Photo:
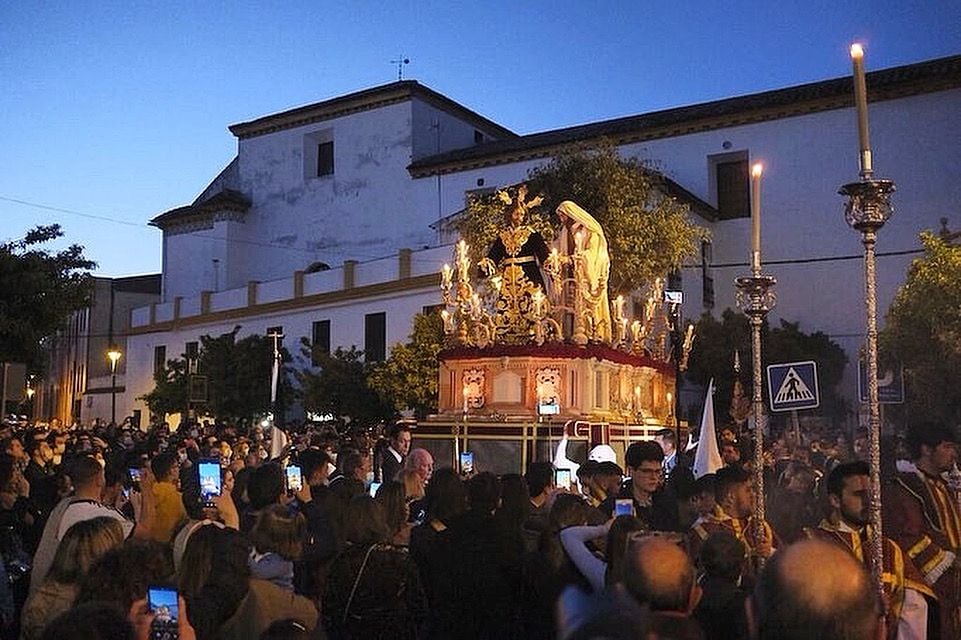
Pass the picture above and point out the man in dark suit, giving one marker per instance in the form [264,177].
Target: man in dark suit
[394,456]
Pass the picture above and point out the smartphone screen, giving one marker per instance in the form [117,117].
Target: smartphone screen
[295,481]
[374,486]
[163,604]
[467,462]
[134,473]
[209,471]
[562,478]
[623,507]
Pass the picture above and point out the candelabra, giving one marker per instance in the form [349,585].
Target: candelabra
[867,209]
[756,297]
[481,316]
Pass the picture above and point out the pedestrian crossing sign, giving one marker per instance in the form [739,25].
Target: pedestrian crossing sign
[793,386]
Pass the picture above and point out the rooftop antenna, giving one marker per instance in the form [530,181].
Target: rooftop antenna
[400,62]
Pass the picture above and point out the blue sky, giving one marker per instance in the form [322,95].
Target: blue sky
[119,110]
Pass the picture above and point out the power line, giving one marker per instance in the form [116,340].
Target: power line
[37,205]
[880,254]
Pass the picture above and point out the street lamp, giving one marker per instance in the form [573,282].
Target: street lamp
[30,391]
[113,355]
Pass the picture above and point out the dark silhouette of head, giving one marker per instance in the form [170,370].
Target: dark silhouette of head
[814,589]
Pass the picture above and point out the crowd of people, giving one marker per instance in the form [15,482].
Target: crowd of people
[111,532]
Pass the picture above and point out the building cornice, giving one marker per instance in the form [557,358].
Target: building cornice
[887,84]
[368,99]
[227,204]
[404,285]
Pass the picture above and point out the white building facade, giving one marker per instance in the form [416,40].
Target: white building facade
[329,212]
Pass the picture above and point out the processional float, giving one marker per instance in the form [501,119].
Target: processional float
[537,349]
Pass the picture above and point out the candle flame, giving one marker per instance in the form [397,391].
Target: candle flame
[857,51]
[757,169]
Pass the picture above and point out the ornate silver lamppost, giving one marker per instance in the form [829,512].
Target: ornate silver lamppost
[867,209]
[755,297]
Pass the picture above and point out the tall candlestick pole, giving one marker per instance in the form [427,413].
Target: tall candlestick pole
[861,102]
[867,209]
[756,172]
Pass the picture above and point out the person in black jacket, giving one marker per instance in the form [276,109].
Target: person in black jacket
[395,454]
[652,505]
[721,609]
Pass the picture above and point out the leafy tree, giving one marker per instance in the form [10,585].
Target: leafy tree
[923,331]
[716,342]
[169,394]
[339,387]
[39,291]
[238,379]
[408,379]
[238,375]
[649,233]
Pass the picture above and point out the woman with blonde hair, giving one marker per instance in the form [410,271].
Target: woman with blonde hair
[82,545]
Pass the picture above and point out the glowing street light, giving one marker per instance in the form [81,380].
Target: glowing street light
[113,355]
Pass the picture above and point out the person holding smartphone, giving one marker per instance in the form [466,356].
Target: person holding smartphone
[170,505]
[644,462]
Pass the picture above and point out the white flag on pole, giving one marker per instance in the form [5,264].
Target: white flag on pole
[278,441]
[708,458]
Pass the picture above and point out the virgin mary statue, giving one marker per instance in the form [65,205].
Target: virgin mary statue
[584,234]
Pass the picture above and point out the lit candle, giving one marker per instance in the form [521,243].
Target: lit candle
[448,323]
[463,262]
[445,276]
[636,330]
[756,171]
[861,102]
[554,261]
[476,305]
[465,398]
[618,307]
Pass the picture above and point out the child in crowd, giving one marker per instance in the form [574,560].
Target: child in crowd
[277,538]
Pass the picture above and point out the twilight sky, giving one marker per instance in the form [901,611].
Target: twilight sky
[113,112]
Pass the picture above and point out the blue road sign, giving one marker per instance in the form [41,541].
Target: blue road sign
[890,384]
[793,386]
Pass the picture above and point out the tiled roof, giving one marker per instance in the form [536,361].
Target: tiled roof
[896,82]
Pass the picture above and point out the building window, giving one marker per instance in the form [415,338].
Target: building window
[675,282]
[707,277]
[478,137]
[325,159]
[159,358]
[320,339]
[276,331]
[432,309]
[192,354]
[375,337]
[318,151]
[732,184]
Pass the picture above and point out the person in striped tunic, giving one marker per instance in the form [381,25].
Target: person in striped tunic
[848,524]
[921,514]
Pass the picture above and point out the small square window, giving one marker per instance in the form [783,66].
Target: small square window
[278,333]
